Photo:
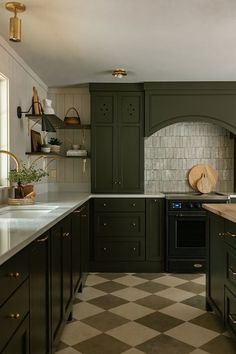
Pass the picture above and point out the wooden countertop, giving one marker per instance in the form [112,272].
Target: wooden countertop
[226,211]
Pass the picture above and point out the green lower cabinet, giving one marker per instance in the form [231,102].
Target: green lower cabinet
[216,264]
[39,295]
[127,235]
[19,343]
[155,230]
[230,310]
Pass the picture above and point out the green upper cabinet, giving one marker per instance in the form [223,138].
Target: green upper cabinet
[117,138]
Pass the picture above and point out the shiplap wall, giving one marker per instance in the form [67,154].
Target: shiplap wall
[21,81]
[69,171]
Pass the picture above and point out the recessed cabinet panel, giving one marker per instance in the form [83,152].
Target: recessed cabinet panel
[115,250]
[230,310]
[19,343]
[120,224]
[13,312]
[130,108]
[131,168]
[119,204]
[104,177]
[231,265]
[103,105]
[154,229]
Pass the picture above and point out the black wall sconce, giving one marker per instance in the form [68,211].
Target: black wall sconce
[50,122]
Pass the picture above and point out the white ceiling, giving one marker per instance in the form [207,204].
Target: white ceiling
[78,41]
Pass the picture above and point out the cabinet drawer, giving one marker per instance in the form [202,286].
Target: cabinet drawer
[231,265]
[230,233]
[13,312]
[119,204]
[230,310]
[120,224]
[13,273]
[115,250]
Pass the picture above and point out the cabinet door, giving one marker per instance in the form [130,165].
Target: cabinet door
[85,242]
[39,319]
[76,248]
[154,229]
[130,108]
[19,343]
[66,262]
[131,161]
[56,282]
[103,107]
[216,263]
[104,160]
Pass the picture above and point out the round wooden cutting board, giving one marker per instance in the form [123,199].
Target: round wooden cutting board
[202,172]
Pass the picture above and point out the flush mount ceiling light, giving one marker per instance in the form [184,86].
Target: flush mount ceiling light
[119,73]
[15,22]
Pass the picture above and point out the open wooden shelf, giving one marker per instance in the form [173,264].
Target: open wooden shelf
[55,154]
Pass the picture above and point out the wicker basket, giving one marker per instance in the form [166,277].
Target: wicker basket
[25,201]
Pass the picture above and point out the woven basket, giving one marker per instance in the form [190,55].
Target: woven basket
[25,201]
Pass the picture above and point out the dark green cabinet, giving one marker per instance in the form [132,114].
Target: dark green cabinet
[155,230]
[117,140]
[127,234]
[221,270]
[19,343]
[39,295]
[216,263]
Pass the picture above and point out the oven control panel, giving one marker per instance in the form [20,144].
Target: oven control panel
[189,205]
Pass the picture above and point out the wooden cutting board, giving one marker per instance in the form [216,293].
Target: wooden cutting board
[207,172]
[204,184]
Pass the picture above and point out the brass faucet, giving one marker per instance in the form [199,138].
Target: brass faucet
[14,158]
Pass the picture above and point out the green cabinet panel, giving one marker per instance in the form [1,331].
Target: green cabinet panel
[117,140]
[66,263]
[119,204]
[120,224]
[171,102]
[39,295]
[131,159]
[19,343]
[216,263]
[104,166]
[155,223]
[103,107]
[130,108]
[114,250]
[230,310]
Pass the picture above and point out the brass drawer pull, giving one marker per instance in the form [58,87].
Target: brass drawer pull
[221,234]
[104,204]
[231,270]
[133,224]
[42,239]
[84,216]
[14,316]
[66,234]
[231,317]
[105,224]
[79,210]
[134,249]
[198,265]
[104,249]
[14,275]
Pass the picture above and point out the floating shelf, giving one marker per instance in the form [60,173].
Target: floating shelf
[61,125]
[55,154]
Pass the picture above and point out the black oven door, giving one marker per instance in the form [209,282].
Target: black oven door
[186,234]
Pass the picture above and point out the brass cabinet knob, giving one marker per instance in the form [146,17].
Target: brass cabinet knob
[105,224]
[14,275]
[134,205]
[84,216]
[104,249]
[14,316]
[104,204]
[66,234]
[133,224]
[42,239]
[134,249]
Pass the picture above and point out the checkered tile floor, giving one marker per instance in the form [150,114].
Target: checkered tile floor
[148,313]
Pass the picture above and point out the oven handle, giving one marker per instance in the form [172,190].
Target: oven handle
[188,214]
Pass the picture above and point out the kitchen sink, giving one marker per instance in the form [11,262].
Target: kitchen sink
[25,212]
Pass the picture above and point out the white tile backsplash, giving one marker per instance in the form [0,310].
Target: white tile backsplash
[172,151]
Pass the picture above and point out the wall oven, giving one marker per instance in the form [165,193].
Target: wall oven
[186,232]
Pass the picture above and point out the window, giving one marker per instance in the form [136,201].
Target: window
[4,129]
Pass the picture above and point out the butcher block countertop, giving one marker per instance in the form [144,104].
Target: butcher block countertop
[226,211]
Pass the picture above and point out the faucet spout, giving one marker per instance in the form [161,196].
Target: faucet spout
[13,157]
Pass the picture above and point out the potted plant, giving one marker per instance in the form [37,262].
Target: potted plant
[55,144]
[24,177]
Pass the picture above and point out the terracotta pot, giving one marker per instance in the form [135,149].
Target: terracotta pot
[28,188]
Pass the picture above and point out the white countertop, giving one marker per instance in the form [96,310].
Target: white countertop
[18,232]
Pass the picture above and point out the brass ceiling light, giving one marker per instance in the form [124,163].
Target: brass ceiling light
[119,73]
[15,22]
